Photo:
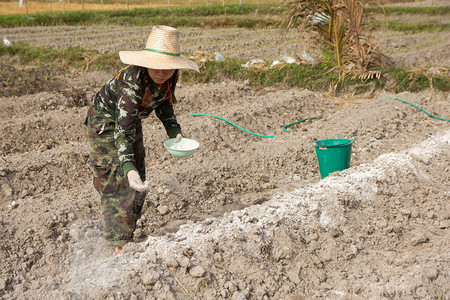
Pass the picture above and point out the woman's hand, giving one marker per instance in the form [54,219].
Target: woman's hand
[136,183]
[178,138]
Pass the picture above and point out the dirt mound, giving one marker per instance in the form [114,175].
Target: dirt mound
[311,242]
[243,235]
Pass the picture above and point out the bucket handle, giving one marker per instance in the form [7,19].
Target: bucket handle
[332,146]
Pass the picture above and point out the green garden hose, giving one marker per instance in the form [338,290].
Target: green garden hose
[404,101]
[311,118]
[260,135]
[302,120]
[257,134]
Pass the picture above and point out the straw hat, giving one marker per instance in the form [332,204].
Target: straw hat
[162,52]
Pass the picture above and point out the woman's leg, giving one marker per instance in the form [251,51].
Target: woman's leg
[117,198]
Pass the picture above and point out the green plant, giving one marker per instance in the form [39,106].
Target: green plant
[313,77]
[337,24]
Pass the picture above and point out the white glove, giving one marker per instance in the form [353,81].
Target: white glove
[178,138]
[136,183]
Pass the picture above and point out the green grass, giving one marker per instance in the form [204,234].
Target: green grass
[312,77]
[405,80]
[72,57]
[411,27]
[213,16]
[398,11]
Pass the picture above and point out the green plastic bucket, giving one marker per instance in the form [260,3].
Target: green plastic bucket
[333,155]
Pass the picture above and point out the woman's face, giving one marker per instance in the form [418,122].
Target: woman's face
[160,76]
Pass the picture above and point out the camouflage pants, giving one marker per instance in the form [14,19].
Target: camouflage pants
[121,205]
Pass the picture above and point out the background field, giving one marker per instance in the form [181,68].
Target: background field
[245,217]
[12,7]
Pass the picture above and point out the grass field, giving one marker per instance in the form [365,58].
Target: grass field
[12,7]
[91,50]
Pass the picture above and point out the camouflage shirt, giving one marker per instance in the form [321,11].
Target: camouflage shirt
[131,96]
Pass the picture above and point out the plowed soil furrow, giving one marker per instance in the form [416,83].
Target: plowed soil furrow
[267,44]
[43,131]
[33,173]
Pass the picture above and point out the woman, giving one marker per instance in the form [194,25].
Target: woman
[114,125]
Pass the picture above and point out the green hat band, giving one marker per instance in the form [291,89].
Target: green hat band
[162,52]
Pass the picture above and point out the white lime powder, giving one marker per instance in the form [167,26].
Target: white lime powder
[185,145]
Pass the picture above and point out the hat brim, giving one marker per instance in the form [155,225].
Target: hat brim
[156,60]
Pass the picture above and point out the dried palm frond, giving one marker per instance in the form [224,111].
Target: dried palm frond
[337,24]
[368,75]
[355,13]
[371,57]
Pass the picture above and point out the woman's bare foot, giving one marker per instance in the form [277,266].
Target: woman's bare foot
[117,250]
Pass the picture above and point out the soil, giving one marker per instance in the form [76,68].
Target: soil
[245,217]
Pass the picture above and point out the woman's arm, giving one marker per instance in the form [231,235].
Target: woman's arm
[129,97]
